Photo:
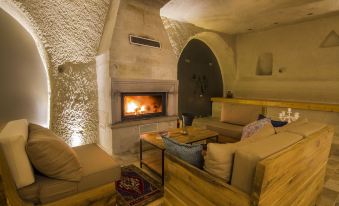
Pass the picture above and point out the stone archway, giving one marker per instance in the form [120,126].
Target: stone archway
[26,58]
[199,78]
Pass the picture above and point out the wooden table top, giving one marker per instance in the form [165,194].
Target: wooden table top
[194,134]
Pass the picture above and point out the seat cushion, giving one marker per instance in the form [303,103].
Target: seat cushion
[219,157]
[239,114]
[51,156]
[98,167]
[46,190]
[13,139]
[247,157]
[226,129]
[307,128]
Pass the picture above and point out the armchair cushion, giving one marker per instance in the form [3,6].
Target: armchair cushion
[13,139]
[51,156]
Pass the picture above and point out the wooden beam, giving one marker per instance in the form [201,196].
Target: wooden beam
[276,103]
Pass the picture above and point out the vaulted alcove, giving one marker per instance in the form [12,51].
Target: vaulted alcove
[199,78]
[23,78]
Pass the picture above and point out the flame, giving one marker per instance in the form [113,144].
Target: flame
[142,108]
[131,107]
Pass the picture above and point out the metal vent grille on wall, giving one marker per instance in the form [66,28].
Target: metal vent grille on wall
[142,41]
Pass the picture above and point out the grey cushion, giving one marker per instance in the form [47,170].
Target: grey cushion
[187,152]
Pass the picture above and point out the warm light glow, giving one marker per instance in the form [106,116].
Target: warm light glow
[132,107]
[142,105]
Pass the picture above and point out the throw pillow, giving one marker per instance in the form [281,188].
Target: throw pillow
[52,156]
[219,159]
[254,127]
[187,152]
[13,139]
[275,123]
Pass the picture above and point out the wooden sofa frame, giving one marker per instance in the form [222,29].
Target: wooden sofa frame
[293,176]
[85,198]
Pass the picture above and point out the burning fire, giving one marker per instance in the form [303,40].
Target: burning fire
[136,105]
[132,107]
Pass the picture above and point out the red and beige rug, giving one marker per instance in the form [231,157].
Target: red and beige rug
[136,188]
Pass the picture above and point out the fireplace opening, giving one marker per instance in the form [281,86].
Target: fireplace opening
[142,105]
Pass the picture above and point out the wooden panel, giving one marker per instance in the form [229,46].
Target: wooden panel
[281,178]
[276,103]
[187,185]
[100,196]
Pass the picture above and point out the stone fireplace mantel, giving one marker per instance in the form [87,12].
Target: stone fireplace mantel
[143,85]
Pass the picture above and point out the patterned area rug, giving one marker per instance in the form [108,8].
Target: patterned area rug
[136,188]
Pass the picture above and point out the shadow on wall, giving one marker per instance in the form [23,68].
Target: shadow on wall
[199,79]
[23,79]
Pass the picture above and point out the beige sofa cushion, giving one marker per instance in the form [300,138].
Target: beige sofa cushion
[51,156]
[291,125]
[307,128]
[247,157]
[99,168]
[239,114]
[219,157]
[226,129]
[13,139]
[46,190]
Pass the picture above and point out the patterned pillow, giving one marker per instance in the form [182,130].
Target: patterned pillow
[253,127]
[187,152]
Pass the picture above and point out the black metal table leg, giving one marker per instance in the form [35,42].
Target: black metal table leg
[163,166]
[140,153]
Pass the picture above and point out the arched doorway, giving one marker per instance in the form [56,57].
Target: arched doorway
[23,79]
[199,78]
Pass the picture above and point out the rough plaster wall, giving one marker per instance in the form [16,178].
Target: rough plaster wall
[309,72]
[76,103]
[179,33]
[70,32]
[140,62]
[222,45]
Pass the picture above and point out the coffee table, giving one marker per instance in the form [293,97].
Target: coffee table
[195,134]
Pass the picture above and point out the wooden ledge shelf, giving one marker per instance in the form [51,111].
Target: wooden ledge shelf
[276,103]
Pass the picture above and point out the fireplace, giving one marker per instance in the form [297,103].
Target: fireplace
[143,105]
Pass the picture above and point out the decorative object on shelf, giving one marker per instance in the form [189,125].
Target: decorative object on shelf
[229,94]
[289,116]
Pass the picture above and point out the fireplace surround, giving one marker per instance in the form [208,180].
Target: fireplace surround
[125,132]
[168,89]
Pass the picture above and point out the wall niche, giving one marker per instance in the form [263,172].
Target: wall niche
[331,40]
[265,64]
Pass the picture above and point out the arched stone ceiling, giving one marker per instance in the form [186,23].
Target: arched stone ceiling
[70,32]
[240,16]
